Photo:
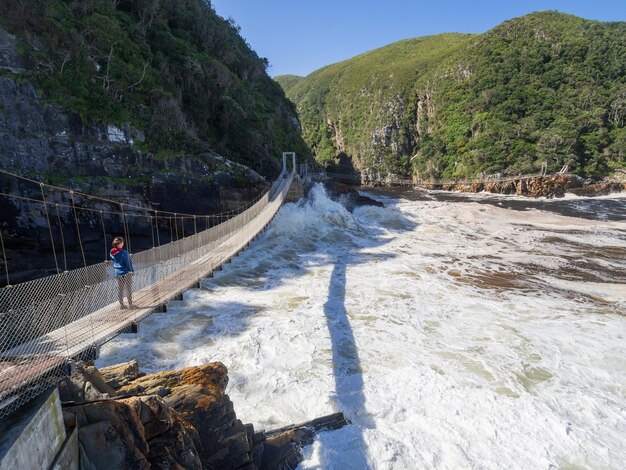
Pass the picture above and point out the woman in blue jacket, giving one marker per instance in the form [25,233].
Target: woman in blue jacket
[123,266]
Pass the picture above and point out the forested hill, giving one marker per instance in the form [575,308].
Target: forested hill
[546,87]
[173,69]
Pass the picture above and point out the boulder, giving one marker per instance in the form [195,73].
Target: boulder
[197,395]
[110,435]
[85,384]
[176,448]
[178,419]
[282,448]
[137,432]
[118,375]
[155,416]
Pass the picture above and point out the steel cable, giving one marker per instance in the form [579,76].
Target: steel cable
[54,251]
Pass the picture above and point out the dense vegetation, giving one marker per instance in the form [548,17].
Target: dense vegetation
[545,88]
[172,68]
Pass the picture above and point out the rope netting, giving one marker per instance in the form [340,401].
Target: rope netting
[47,322]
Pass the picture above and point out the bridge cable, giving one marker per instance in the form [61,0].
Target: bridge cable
[156,223]
[69,206]
[80,240]
[4,255]
[152,231]
[45,206]
[130,246]
[91,196]
[223,216]
[125,228]
[79,193]
[104,236]
[62,237]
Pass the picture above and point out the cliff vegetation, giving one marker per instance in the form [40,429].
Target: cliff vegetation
[174,70]
[544,89]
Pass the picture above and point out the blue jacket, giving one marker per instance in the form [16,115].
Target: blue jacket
[121,262]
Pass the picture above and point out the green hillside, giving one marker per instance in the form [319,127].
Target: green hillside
[288,81]
[544,88]
[173,69]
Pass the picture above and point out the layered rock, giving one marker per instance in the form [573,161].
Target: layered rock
[197,394]
[540,186]
[174,419]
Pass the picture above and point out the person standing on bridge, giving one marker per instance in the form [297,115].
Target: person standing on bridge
[123,266]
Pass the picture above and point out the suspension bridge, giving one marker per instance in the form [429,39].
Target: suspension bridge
[47,323]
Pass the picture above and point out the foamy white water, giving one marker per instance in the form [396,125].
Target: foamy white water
[451,334]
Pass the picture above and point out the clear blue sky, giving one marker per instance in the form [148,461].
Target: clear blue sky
[300,36]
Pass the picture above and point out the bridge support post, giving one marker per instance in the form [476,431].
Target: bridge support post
[293,162]
[178,296]
[133,328]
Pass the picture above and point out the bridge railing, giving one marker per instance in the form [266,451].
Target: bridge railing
[47,321]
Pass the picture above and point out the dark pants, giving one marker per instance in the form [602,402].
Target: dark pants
[125,285]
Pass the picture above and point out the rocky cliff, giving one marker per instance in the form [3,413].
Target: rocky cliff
[146,146]
[539,186]
[175,419]
[50,144]
[546,90]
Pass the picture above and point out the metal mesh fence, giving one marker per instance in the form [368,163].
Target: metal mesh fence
[47,322]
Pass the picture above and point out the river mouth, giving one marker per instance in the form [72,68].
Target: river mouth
[452,333]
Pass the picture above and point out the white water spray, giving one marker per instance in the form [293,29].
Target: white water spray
[452,334]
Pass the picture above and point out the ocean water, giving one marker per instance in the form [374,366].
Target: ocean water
[453,331]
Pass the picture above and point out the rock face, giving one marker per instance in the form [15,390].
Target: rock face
[441,105]
[182,419]
[174,420]
[43,140]
[197,395]
[47,142]
[110,435]
[85,384]
[540,186]
[118,375]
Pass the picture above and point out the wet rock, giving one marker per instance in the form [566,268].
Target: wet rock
[349,197]
[283,447]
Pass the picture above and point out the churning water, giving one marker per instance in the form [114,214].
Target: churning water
[453,331]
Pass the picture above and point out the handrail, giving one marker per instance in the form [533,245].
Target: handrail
[46,322]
